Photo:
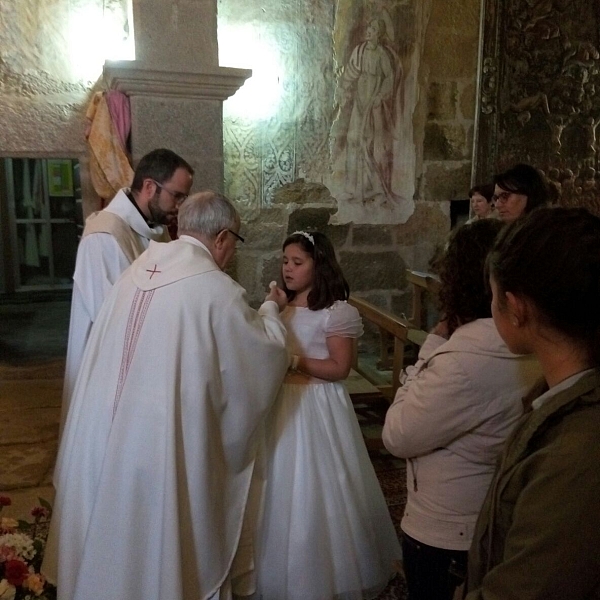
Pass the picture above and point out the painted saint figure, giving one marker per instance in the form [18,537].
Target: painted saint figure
[369,85]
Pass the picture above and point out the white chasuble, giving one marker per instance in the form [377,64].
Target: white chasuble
[112,239]
[157,454]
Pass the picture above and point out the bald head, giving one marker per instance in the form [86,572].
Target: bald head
[213,220]
[205,214]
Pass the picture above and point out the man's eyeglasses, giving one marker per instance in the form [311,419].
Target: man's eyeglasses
[501,197]
[237,235]
[179,197]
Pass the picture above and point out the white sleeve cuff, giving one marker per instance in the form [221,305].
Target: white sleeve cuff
[269,309]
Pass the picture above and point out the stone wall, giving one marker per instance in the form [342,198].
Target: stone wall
[374,257]
[450,69]
[43,97]
[276,166]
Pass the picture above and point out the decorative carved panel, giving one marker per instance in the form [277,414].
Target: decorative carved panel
[539,94]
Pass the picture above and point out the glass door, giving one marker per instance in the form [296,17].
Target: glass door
[46,220]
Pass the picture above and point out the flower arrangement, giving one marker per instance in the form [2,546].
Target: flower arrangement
[21,552]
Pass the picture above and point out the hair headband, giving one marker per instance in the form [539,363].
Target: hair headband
[307,235]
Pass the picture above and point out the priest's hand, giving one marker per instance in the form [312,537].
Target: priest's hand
[277,295]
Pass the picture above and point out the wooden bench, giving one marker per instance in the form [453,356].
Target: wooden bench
[362,390]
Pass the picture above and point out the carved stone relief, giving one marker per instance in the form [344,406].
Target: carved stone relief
[540,94]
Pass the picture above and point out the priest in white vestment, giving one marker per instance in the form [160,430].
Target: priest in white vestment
[155,463]
[114,237]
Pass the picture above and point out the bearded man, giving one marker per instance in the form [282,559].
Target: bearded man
[114,237]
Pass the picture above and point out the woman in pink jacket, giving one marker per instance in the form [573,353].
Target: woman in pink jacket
[451,416]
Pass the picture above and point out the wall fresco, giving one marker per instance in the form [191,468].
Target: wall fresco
[373,158]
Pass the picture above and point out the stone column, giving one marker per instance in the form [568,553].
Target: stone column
[176,86]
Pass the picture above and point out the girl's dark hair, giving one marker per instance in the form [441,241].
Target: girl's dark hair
[552,258]
[486,190]
[464,295]
[526,180]
[329,283]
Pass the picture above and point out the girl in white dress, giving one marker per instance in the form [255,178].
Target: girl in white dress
[326,532]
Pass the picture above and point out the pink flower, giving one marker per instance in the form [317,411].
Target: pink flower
[5,501]
[16,572]
[39,512]
[6,553]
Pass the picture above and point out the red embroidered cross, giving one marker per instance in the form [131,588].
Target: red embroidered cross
[152,272]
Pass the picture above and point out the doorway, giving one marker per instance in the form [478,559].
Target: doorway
[42,220]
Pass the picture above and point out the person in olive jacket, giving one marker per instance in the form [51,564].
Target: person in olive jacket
[538,534]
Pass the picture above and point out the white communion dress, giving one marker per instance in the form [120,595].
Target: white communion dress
[325,532]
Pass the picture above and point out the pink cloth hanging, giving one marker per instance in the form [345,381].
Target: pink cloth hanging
[120,114]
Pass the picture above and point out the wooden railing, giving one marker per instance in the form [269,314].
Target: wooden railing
[421,283]
[401,330]
[388,325]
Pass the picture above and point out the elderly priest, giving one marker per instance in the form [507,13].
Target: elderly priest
[155,464]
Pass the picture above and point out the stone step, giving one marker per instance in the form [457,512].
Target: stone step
[20,394]
[27,465]
[29,421]
[28,426]
[52,369]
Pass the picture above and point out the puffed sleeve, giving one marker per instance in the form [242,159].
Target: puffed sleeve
[343,321]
